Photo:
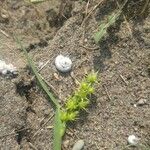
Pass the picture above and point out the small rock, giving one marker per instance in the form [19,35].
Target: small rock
[7,68]
[85,40]
[47,112]
[56,76]
[78,145]
[135,129]
[66,144]
[141,102]
[40,64]
[4,14]
[133,140]
[63,64]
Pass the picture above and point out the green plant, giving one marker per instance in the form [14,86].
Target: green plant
[78,101]
[59,127]
[111,19]
[104,26]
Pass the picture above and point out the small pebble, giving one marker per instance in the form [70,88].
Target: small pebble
[7,68]
[85,40]
[63,64]
[66,144]
[133,140]
[78,145]
[56,76]
[40,64]
[141,102]
[47,112]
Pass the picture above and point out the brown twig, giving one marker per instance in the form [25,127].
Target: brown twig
[74,79]
[43,125]
[107,93]
[32,146]
[123,79]
[145,6]
[124,17]
[73,133]
[87,6]
[4,33]
[85,19]
[43,65]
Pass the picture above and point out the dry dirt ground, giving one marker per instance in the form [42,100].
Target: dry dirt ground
[122,58]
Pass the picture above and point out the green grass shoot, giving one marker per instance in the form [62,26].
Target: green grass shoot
[59,130]
[42,83]
[104,26]
[111,19]
[59,127]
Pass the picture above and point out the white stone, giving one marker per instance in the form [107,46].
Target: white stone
[63,64]
[78,145]
[141,102]
[133,140]
[40,64]
[6,68]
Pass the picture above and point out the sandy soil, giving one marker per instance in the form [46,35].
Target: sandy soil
[122,58]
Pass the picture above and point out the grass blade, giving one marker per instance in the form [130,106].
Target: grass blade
[59,129]
[103,27]
[42,83]
[98,35]
[111,20]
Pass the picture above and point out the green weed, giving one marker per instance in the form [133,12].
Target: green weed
[79,101]
[104,26]
[111,19]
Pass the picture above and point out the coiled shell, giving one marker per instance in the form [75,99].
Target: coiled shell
[63,64]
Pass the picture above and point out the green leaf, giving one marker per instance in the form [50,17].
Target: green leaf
[36,1]
[42,83]
[59,130]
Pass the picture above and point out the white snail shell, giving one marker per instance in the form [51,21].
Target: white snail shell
[63,64]
[133,140]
